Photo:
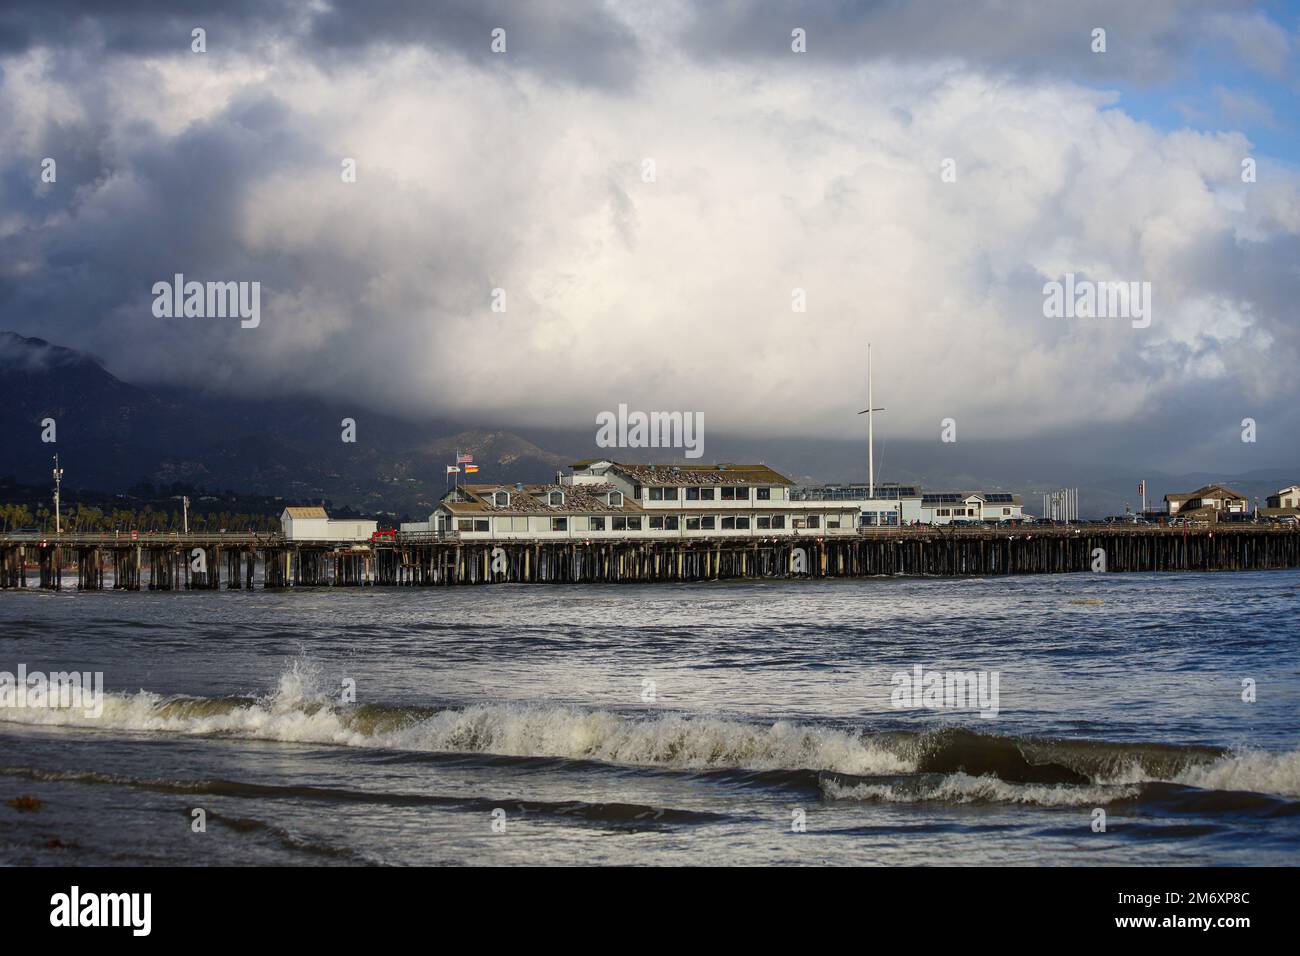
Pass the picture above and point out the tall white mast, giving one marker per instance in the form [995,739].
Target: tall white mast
[871,435]
[870,411]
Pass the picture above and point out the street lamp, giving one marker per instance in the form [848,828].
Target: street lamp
[58,480]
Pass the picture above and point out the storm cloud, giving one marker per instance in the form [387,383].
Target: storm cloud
[649,185]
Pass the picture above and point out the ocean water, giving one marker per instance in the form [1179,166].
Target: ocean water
[749,723]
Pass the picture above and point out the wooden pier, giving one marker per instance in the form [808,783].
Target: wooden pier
[206,562]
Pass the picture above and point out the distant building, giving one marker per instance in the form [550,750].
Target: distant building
[1206,502]
[313,524]
[947,506]
[1288,497]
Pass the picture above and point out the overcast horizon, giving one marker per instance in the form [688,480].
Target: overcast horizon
[680,211]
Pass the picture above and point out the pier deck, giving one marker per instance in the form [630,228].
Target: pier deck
[201,561]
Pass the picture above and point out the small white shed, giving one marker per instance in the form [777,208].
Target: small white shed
[313,524]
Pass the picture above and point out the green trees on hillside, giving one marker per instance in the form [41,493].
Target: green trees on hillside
[77,517]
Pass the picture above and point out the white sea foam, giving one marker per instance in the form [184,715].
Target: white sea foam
[1276,773]
[297,713]
[964,788]
[293,714]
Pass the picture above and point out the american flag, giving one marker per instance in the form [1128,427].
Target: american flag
[463,459]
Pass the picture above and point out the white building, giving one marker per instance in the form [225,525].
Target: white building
[313,524]
[887,506]
[1288,497]
[947,506]
[607,499]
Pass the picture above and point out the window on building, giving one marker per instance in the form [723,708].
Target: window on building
[556,498]
[1006,511]
[832,522]
[706,494]
[501,499]
[481,524]
[465,524]
[630,523]
[728,494]
[708,523]
[728,522]
[778,521]
[814,521]
[763,494]
[764,522]
[596,523]
[616,499]
[742,522]
[797,523]
[692,524]
[692,494]
[559,524]
[663,494]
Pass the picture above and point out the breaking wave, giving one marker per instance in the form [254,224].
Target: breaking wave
[948,765]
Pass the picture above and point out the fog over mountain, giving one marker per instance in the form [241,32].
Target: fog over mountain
[649,190]
[111,435]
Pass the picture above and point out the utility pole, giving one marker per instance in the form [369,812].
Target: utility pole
[58,481]
[185,513]
[870,411]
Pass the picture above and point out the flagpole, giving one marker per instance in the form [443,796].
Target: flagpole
[871,435]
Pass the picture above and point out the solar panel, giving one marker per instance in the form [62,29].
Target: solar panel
[941,498]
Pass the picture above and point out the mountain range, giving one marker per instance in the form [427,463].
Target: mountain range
[111,434]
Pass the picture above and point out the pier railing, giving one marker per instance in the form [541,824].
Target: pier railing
[72,538]
[199,561]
